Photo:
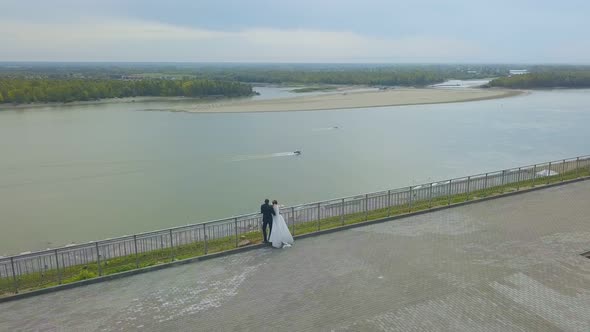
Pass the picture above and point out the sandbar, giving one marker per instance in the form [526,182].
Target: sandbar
[353,99]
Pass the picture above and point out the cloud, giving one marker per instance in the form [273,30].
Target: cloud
[94,39]
[94,30]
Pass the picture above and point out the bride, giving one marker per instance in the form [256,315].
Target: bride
[280,235]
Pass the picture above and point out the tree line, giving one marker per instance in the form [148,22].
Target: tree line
[379,76]
[548,79]
[363,74]
[21,90]
[354,77]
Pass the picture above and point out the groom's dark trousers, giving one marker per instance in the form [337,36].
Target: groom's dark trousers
[267,213]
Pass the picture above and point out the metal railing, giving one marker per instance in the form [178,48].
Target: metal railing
[81,261]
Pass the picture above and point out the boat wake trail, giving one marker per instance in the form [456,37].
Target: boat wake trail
[264,156]
[163,110]
[326,128]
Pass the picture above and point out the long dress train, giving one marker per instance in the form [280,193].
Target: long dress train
[280,235]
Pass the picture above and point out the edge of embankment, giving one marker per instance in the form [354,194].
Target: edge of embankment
[259,246]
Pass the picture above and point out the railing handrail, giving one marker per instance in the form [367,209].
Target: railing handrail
[251,215]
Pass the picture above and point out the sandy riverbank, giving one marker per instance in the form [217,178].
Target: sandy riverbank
[347,100]
[126,100]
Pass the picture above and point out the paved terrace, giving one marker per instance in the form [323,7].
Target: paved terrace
[510,264]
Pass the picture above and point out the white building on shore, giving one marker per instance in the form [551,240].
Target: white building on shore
[518,71]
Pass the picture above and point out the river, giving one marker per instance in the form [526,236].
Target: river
[86,172]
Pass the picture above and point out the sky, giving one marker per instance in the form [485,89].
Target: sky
[308,31]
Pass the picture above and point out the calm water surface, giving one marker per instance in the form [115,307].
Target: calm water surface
[80,173]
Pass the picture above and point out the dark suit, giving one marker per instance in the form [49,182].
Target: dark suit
[267,213]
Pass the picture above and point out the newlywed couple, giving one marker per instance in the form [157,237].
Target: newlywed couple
[279,232]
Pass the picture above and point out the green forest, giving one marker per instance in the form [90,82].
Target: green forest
[549,79]
[20,90]
[410,75]
[355,77]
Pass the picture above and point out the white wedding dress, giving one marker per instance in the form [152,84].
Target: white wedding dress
[280,235]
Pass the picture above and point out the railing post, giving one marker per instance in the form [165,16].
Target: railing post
[171,245]
[236,230]
[389,203]
[410,206]
[293,215]
[136,254]
[430,196]
[562,170]
[97,258]
[548,173]
[57,266]
[366,207]
[205,238]
[449,192]
[468,180]
[14,280]
[518,180]
[342,212]
[503,179]
[485,183]
[577,167]
[534,174]
[319,214]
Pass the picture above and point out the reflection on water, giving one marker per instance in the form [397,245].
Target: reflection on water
[462,83]
[80,173]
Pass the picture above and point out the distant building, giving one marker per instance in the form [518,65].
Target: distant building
[132,77]
[518,71]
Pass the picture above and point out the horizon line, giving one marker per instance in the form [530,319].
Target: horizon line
[291,62]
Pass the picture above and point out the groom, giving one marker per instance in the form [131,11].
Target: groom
[267,213]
